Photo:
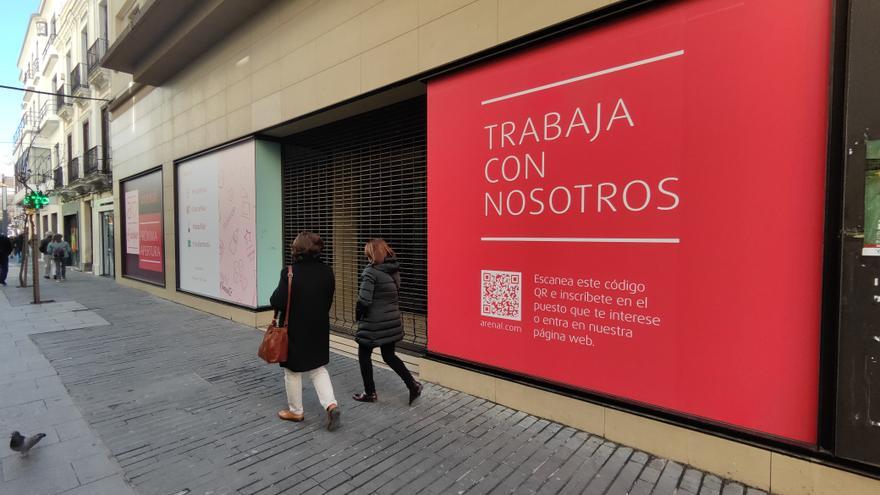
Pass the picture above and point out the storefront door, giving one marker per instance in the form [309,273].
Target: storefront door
[107,261]
[71,235]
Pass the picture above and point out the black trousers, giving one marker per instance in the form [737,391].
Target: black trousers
[390,358]
[4,268]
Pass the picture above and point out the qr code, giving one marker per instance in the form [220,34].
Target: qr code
[501,295]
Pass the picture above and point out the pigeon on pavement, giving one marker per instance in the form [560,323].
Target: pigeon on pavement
[20,443]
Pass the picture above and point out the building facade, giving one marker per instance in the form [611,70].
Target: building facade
[558,180]
[37,141]
[64,134]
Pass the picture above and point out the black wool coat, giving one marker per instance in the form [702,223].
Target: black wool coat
[378,303]
[5,246]
[308,331]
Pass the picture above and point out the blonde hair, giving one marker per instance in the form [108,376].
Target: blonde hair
[377,250]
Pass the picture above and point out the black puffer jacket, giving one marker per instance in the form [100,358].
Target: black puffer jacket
[379,320]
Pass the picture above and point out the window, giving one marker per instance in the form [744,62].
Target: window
[84,40]
[102,20]
[85,137]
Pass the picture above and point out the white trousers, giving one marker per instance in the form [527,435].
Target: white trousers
[48,262]
[293,386]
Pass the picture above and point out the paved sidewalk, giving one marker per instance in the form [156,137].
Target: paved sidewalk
[71,459]
[185,407]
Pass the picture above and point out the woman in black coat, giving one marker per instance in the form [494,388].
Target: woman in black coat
[308,332]
[378,316]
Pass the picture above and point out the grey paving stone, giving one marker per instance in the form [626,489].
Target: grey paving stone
[732,488]
[73,428]
[113,485]
[711,485]
[627,477]
[668,481]
[609,471]
[57,479]
[94,467]
[690,482]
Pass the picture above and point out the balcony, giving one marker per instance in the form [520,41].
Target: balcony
[73,170]
[48,121]
[79,81]
[62,104]
[99,77]
[98,176]
[50,55]
[168,35]
[26,126]
[59,178]
[97,161]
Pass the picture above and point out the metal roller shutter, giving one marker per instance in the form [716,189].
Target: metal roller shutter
[360,178]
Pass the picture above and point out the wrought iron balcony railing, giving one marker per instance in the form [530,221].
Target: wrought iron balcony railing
[49,42]
[60,99]
[97,160]
[95,54]
[59,177]
[73,170]
[79,78]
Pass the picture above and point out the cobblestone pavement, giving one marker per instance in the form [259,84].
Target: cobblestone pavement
[184,406]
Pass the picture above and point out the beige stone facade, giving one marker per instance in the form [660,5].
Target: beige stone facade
[292,59]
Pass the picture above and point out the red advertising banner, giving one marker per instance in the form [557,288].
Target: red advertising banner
[143,232]
[150,242]
[637,210]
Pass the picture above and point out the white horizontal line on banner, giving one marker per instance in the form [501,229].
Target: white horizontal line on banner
[594,240]
[591,75]
[150,223]
[150,261]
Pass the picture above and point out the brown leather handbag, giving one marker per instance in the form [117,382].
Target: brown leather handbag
[273,349]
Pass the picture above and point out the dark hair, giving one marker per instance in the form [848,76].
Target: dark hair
[58,238]
[377,250]
[306,244]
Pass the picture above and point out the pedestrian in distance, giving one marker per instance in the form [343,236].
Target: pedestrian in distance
[378,319]
[5,251]
[48,259]
[308,331]
[60,250]
[18,245]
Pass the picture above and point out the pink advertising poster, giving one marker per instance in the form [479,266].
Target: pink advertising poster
[216,197]
[132,224]
[238,246]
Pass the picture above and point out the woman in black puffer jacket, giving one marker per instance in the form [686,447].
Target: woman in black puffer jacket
[378,316]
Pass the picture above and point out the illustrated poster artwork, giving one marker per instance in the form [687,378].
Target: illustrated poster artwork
[238,246]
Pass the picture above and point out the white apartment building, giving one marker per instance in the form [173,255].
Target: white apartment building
[37,140]
[70,156]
